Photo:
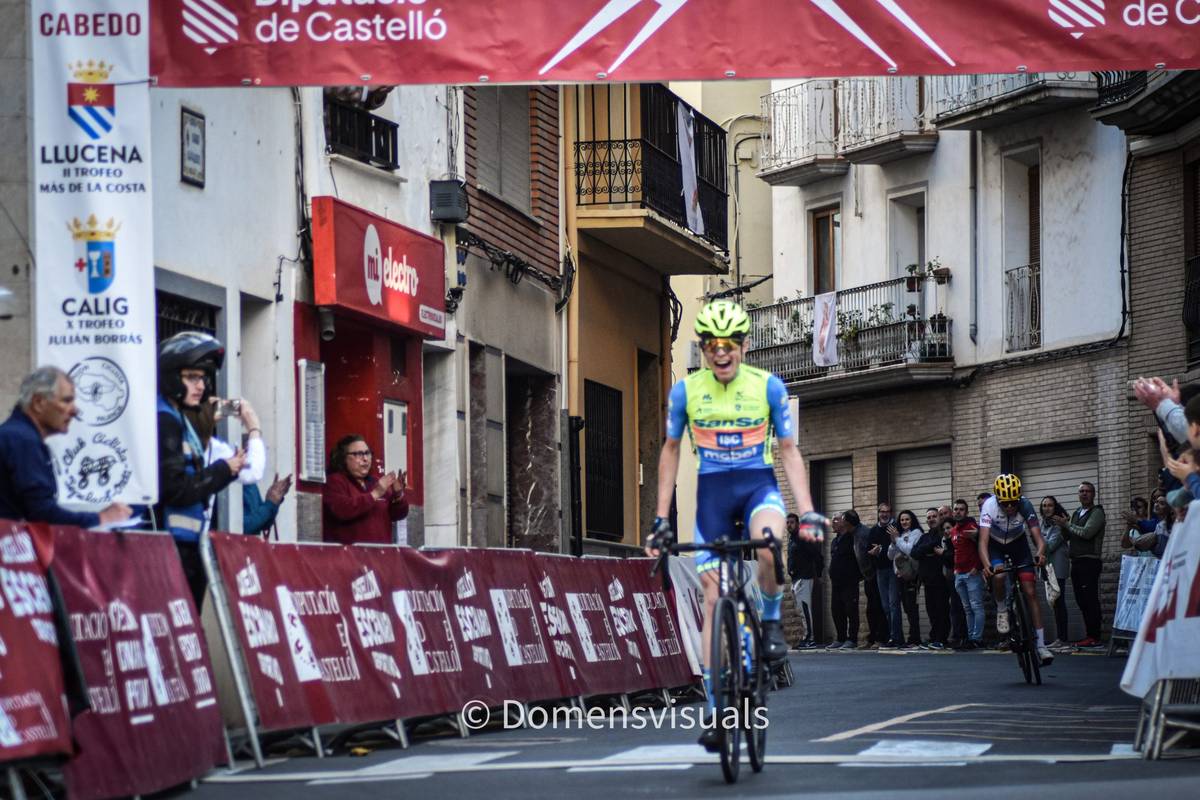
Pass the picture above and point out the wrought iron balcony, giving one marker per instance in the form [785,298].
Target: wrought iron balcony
[800,134]
[972,102]
[1117,87]
[1023,290]
[879,325]
[354,132]
[646,171]
[883,119]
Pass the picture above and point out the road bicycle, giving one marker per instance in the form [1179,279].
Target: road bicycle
[740,678]
[1022,639]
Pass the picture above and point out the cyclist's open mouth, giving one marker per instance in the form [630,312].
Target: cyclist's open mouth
[722,362]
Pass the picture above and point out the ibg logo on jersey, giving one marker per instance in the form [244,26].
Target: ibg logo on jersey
[729,440]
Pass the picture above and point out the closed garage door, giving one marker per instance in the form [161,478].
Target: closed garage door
[921,479]
[1057,470]
[837,485]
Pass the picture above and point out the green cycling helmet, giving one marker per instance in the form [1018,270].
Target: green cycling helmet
[722,318]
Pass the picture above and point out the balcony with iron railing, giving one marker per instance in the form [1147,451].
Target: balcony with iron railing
[629,191]
[883,119]
[1147,103]
[800,135]
[356,133]
[1023,298]
[884,339]
[979,102]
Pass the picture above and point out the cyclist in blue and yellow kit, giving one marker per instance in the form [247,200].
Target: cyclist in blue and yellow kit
[731,410]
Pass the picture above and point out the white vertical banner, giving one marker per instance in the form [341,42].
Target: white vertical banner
[825,330]
[94,280]
[687,160]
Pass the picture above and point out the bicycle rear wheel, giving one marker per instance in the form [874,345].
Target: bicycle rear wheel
[726,665]
[756,691]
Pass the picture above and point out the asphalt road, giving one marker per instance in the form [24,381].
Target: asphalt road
[855,724]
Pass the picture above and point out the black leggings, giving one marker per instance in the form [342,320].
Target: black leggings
[1085,580]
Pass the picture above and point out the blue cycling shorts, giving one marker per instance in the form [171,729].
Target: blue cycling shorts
[724,497]
[1018,550]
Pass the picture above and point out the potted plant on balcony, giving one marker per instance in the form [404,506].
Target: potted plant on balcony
[938,344]
[940,274]
[916,277]
[850,325]
[806,330]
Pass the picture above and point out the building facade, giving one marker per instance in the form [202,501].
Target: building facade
[645,200]
[971,228]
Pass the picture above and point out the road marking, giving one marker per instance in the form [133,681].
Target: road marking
[370,779]
[632,768]
[1123,749]
[921,748]
[878,726]
[664,754]
[412,765]
[776,760]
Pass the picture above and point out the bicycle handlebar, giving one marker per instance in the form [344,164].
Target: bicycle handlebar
[721,546]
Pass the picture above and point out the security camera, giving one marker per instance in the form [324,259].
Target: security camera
[328,331]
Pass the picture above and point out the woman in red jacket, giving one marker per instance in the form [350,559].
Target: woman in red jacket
[357,506]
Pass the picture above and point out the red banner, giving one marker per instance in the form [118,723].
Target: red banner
[368,634]
[154,721]
[301,42]
[33,718]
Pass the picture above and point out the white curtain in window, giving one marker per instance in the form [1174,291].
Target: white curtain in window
[687,161]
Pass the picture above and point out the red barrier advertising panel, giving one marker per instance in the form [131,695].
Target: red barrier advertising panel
[154,721]
[507,592]
[300,42]
[601,656]
[369,634]
[656,618]
[33,718]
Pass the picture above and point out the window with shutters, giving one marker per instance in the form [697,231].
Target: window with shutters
[503,143]
[826,248]
[604,459]
[1191,292]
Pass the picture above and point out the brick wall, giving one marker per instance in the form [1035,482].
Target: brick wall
[1157,343]
[533,236]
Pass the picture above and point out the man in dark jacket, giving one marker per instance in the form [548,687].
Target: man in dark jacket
[187,368]
[930,555]
[28,490]
[877,625]
[844,576]
[878,541]
[806,562]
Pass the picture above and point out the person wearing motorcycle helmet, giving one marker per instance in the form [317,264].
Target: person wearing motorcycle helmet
[731,411]
[187,369]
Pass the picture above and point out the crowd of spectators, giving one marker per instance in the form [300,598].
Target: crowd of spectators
[904,556]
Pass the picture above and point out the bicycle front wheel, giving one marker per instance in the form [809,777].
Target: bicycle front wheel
[726,666]
[754,720]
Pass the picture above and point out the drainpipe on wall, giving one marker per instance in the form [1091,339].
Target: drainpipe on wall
[975,149]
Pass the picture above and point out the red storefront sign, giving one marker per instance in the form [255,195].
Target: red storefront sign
[154,721]
[33,719]
[300,42]
[376,267]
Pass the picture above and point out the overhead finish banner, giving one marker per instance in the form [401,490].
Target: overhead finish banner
[333,42]
[95,278]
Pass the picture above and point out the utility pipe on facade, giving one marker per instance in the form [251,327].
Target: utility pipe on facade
[976,137]
[574,406]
